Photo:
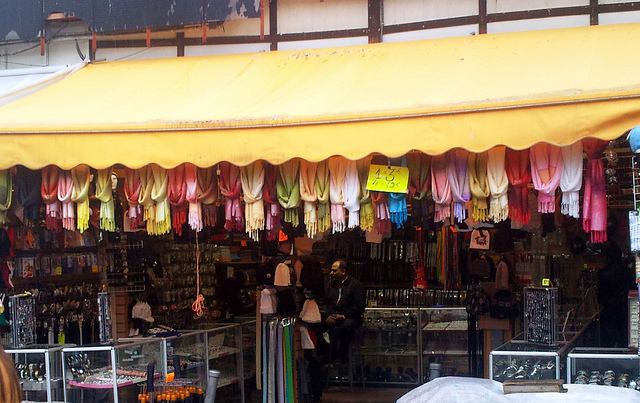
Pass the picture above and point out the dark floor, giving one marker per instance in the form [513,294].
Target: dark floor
[359,395]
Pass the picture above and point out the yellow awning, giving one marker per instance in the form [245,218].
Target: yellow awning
[474,92]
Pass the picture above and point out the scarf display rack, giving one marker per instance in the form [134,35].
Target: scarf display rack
[279,363]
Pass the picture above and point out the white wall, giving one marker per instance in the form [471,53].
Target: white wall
[315,15]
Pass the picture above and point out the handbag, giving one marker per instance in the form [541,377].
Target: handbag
[480,239]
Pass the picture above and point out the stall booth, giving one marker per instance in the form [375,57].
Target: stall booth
[476,187]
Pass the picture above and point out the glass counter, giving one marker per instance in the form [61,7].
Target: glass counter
[39,369]
[225,354]
[389,349]
[445,341]
[518,359]
[604,366]
[114,373]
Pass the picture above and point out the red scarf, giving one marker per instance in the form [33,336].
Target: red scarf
[519,174]
[231,188]
[49,193]
[132,188]
[272,206]
[594,220]
[177,196]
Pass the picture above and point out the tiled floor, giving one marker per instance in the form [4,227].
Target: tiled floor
[358,395]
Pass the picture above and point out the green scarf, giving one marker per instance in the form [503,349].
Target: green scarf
[288,188]
[5,194]
[366,206]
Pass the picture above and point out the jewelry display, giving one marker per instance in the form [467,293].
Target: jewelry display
[23,319]
[540,312]
[104,317]
[525,369]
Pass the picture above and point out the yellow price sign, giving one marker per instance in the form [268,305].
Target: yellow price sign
[387,178]
[546,282]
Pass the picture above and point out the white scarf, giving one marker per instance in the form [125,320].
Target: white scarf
[571,179]
[252,178]
[309,196]
[337,174]
[352,193]
[498,184]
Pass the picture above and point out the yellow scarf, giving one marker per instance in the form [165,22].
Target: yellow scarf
[5,194]
[479,185]
[322,192]
[366,206]
[159,196]
[80,195]
[104,193]
[145,200]
[252,179]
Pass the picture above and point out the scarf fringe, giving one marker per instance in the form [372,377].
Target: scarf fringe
[545,205]
[480,213]
[570,204]
[459,211]
[499,208]
[366,216]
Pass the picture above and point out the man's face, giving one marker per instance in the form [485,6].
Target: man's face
[337,272]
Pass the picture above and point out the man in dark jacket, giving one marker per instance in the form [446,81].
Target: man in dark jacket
[345,306]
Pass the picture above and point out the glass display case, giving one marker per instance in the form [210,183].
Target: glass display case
[114,373]
[518,359]
[445,342]
[39,369]
[186,357]
[389,349]
[604,366]
[225,354]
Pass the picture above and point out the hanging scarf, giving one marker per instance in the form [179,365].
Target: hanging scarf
[159,196]
[28,189]
[145,199]
[81,176]
[351,193]
[177,196]
[6,192]
[419,185]
[440,188]
[337,175]
[104,193]
[571,179]
[49,193]
[479,185]
[546,171]
[458,182]
[398,202]
[498,184]
[252,178]
[132,188]
[380,202]
[366,207]
[191,195]
[594,208]
[322,193]
[65,187]
[270,197]
[519,174]
[230,187]
[288,188]
[309,196]
[208,195]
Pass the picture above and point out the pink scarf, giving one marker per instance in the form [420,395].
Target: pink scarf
[458,182]
[230,187]
[519,174]
[65,188]
[440,188]
[272,206]
[594,214]
[191,194]
[177,196]
[132,188]
[49,193]
[546,171]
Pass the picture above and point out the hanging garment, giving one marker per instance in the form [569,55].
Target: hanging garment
[81,177]
[273,353]
[398,212]
[502,276]
[27,192]
[419,185]
[479,186]
[65,187]
[177,197]
[268,301]
[310,312]
[270,197]
[132,189]
[252,179]
[49,193]
[440,188]
[546,171]
[145,199]
[323,192]
[309,196]
[366,206]
[382,216]
[208,195]
[280,370]
[352,193]
[519,174]
[289,359]
[458,182]
[104,193]
[594,207]
[262,350]
[288,187]
[337,174]
[6,192]
[420,278]
[498,184]
[571,179]
[159,196]
[230,187]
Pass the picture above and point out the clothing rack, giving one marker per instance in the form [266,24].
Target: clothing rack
[279,364]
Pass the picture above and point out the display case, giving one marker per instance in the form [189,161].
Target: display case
[445,342]
[518,359]
[115,373]
[389,350]
[225,354]
[39,369]
[604,366]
